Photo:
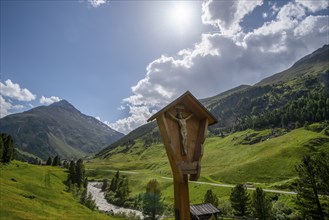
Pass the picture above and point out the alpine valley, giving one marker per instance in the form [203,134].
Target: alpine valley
[262,134]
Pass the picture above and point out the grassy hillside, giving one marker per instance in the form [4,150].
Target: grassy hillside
[129,138]
[290,99]
[248,156]
[38,192]
[264,159]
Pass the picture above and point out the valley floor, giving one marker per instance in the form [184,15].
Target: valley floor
[254,158]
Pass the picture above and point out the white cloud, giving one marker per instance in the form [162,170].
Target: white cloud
[139,114]
[265,15]
[96,3]
[274,7]
[314,5]
[104,122]
[222,61]
[50,100]
[14,91]
[227,15]
[7,108]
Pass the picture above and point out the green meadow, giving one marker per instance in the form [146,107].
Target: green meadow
[38,192]
[269,163]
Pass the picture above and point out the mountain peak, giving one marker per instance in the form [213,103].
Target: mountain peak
[58,129]
[63,103]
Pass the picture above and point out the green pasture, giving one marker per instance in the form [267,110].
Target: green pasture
[225,160]
[38,192]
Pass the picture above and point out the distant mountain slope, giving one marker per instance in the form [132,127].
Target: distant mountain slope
[58,129]
[232,159]
[307,80]
[311,64]
[213,100]
[287,99]
[127,140]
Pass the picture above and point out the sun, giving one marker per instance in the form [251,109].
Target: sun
[180,15]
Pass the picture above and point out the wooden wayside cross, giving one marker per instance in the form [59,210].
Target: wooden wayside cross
[183,126]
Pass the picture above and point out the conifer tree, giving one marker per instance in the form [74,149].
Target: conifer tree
[260,205]
[152,201]
[122,191]
[83,197]
[56,161]
[240,200]
[313,175]
[210,197]
[1,148]
[8,148]
[66,164]
[114,182]
[72,173]
[322,162]
[105,185]
[49,161]
[80,173]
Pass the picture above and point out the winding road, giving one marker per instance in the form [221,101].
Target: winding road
[232,186]
[215,184]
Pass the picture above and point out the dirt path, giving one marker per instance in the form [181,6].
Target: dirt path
[216,184]
[231,186]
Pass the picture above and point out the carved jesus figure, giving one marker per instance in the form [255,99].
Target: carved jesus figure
[183,130]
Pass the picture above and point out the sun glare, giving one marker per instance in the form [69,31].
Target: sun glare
[180,15]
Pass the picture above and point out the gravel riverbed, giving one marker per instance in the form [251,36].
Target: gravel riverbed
[103,205]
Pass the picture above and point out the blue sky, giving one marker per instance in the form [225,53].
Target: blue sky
[120,61]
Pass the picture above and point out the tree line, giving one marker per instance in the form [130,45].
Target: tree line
[311,202]
[312,187]
[150,203]
[6,148]
[77,183]
[117,192]
[257,206]
[9,153]
[286,105]
[56,162]
[310,108]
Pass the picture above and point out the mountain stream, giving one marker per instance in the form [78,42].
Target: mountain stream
[95,189]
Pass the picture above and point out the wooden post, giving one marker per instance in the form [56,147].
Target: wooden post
[182,199]
[183,127]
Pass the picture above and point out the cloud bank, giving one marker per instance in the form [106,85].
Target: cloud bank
[231,57]
[50,100]
[14,91]
[14,99]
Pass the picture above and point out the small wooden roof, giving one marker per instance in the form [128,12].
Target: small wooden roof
[190,102]
[203,209]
